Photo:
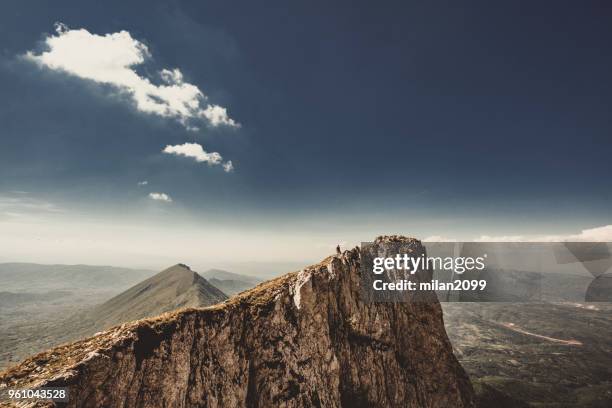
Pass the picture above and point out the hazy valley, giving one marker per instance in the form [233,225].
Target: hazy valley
[45,305]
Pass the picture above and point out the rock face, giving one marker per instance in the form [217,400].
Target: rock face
[302,340]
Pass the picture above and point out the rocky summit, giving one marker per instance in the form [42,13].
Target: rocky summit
[305,339]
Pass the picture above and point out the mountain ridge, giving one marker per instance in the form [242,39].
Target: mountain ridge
[303,339]
[173,288]
[230,283]
[222,274]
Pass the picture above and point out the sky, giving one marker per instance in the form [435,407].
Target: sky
[149,133]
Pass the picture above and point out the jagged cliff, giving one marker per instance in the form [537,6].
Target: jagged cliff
[305,339]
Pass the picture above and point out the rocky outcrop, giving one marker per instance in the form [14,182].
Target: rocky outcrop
[305,339]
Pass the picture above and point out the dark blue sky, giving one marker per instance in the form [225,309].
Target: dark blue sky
[493,115]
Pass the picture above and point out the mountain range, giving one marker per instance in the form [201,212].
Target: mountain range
[42,306]
[173,288]
[230,283]
[306,339]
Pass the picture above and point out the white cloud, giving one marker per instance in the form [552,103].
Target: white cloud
[439,238]
[196,151]
[505,238]
[217,115]
[143,183]
[597,234]
[20,204]
[23,203]
[228,166]
[111,59]
[160,197]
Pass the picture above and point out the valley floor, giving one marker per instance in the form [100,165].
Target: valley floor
[546,355]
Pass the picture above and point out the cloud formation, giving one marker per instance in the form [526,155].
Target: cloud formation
[143,183]
[439,238]
[112,58]
[597,234]
[196,151]
[160,197]
[228,166]
[22,204]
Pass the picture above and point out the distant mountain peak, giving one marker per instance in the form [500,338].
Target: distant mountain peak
[230,283]
[173,288]
[225,275]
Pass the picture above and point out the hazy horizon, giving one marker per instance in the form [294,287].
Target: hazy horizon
[184,132]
